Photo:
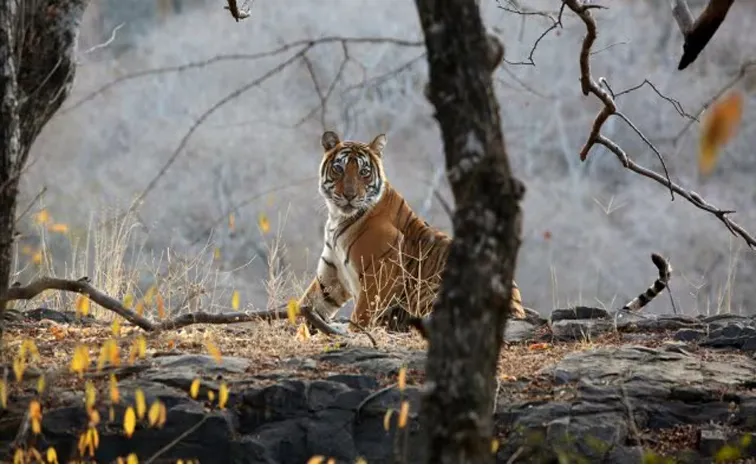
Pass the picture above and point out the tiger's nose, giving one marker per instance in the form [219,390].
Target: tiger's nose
[349,196]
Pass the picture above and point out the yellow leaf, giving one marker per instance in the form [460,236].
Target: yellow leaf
[222,395]
[263,223]
[129,422]
[331,460]
[213,350]
[194,388]
[35,415]
[82,305]
[3,394]
[494,445]
[37,257]
[116,327]
[139,308]
[80,360]
[128,300]
[402,378]
[32,347]
[403,414]
[138,349]
[42,217]
[217,253]
[18,368]
[721,123]
[115,395]
[235,300]
[292,310]
[150,294]
[387,419]
[59,228]
[109,352]
[90,394]
[52,456]
[360,460]
[94,417]
[231,222]
[303,332]
[316,459]
[18,456]
[727,454]
[210,395]
[132,458]
[154,414]
[41,384]
[160,306]
[141,403]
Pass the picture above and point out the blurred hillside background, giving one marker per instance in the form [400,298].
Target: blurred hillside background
[589,227]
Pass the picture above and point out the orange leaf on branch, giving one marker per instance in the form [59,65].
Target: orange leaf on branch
[720,125]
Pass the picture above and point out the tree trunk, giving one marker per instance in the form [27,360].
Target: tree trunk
[470,313]
[37,64]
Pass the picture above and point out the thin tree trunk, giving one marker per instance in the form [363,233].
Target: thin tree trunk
[10,139]
[470,313]
[37,64]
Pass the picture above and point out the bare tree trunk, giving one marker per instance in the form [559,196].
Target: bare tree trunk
[37,64]
[472,307]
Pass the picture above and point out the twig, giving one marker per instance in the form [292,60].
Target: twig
[554,24]
[83,286]
[106,43]
[373,395]
[178,439]
[589,86]
[675,103]
[366,332]
[237,13]
[31,204]
[240,56]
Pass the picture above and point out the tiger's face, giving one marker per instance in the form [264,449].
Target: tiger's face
[351,174]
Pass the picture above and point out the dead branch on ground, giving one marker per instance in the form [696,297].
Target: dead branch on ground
[603,93]
[82,286]
[698,34]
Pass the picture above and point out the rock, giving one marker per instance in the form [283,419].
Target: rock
[710,440]
[580,329]
[518,330]
[732,334]
[374,362]
[355,381]
[579,313]
[62,317]
[689,335]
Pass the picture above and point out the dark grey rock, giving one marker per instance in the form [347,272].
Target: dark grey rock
[580,329]
[374,362]
[689,335]
[579,313]
[355,381]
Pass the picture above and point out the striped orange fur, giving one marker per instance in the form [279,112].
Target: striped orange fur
[376,249]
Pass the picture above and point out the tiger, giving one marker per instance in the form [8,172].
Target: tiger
[376,249]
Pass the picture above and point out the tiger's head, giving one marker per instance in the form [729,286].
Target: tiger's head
[351,174]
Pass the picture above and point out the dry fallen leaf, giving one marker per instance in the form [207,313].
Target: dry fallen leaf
[720,125]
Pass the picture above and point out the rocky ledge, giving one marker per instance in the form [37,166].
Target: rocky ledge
[666,385]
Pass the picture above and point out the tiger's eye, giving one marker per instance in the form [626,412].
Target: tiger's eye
[364,172]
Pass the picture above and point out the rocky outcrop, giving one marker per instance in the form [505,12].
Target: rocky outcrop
[606,404]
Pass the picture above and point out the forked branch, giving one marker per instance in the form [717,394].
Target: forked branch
[698,33]
[82,286]
[604,93]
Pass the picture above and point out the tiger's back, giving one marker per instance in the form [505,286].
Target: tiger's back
[376,249]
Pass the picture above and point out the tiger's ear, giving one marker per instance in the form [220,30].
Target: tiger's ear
[329,140]
[379,143]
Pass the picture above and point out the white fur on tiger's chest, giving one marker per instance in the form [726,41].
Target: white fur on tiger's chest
[336,254]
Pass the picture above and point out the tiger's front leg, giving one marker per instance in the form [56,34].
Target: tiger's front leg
[325,294]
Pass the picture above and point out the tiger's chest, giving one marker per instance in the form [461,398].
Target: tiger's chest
[338,254]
